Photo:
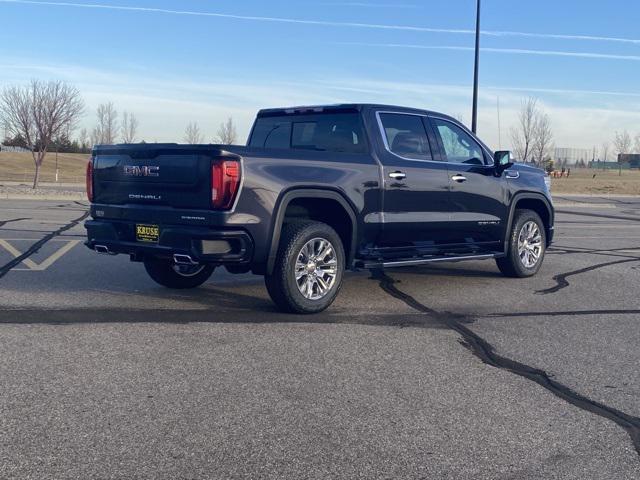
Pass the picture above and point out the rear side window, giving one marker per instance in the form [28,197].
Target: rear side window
[341,132]
[406,136]
[271,133]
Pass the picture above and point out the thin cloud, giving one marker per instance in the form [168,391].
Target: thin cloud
[324,22]
[381,87]
[517,51]
[564,91]
[368,5]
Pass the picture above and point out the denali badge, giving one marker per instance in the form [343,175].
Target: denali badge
[135,196]
[141,171]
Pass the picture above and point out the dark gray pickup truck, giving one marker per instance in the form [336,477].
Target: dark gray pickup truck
[318,190]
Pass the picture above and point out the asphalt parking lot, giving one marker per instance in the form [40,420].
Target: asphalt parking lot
[447,371]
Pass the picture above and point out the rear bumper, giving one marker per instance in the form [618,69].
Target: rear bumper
[119,237]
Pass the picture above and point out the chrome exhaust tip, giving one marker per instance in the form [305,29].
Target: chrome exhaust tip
[102,249]
[181,259]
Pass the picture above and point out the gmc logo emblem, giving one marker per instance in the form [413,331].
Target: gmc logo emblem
[141,171]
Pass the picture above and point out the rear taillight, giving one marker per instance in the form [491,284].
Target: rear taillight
[90,179]
[225,182]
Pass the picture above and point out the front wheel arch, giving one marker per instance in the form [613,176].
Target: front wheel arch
[535,202]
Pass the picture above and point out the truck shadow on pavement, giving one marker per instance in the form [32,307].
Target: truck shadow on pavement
[209,305]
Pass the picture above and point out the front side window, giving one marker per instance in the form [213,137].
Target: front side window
[459,146]
[406,135]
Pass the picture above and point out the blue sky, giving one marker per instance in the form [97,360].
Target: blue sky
[171,62]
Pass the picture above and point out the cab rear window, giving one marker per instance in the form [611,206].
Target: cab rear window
[339,132]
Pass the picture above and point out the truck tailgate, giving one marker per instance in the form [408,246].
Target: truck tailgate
[164,175]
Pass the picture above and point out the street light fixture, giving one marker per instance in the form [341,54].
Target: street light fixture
[474,115]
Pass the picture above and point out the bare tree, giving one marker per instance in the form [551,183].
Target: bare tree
[39,113]
[83,140]
[622,142]
[543,137]
[83,137]
[94,137]
[129,127]
[523,134]
[227,134]
[636,144]
[604,151]
[106,131]
[622,145]
[192,134]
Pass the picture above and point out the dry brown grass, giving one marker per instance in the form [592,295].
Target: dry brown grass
[598,182]
[19,167]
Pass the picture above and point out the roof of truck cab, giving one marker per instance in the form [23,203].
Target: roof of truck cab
[341,107]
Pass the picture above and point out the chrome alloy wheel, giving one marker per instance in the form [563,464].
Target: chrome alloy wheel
[530,244]
[316,268]
[188,270]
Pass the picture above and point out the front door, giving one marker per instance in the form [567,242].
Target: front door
[479,203]
[416,187]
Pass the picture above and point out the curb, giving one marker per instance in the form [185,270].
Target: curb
[17,196]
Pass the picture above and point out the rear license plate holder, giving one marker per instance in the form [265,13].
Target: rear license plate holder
[147,233]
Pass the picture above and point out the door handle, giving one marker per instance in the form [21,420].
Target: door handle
[459,178]
[398,175]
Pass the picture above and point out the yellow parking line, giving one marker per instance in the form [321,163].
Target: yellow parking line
[38,267]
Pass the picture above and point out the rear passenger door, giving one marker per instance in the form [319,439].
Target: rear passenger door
[479,205]
[416,185]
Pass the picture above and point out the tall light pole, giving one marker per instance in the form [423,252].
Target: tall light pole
[474,115]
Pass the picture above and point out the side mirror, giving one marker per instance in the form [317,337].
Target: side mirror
[502,160]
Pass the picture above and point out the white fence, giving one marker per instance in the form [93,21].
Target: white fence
[4,148]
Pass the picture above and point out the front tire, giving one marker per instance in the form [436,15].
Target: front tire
[527,246]
[168,274]
[309,268]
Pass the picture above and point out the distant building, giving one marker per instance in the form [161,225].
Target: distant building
[572,156]
[631,159]
[599,165]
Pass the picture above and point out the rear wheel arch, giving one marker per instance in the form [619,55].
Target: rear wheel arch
[531,201]
[322,205]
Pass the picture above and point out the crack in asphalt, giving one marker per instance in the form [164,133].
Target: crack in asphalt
[561,278]
[38,245]
[562,250]
[620,202]
[558,250]
[4,222]
[486,353]
[599,215]
[630,212]
[563,313]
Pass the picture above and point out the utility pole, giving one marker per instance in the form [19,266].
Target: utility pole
[57,147]
[474,119]
[499,128]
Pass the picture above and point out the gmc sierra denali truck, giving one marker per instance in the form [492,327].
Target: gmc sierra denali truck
[318,190]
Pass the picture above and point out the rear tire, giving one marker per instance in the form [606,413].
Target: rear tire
[526,246]
[166,273]
[309,268]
